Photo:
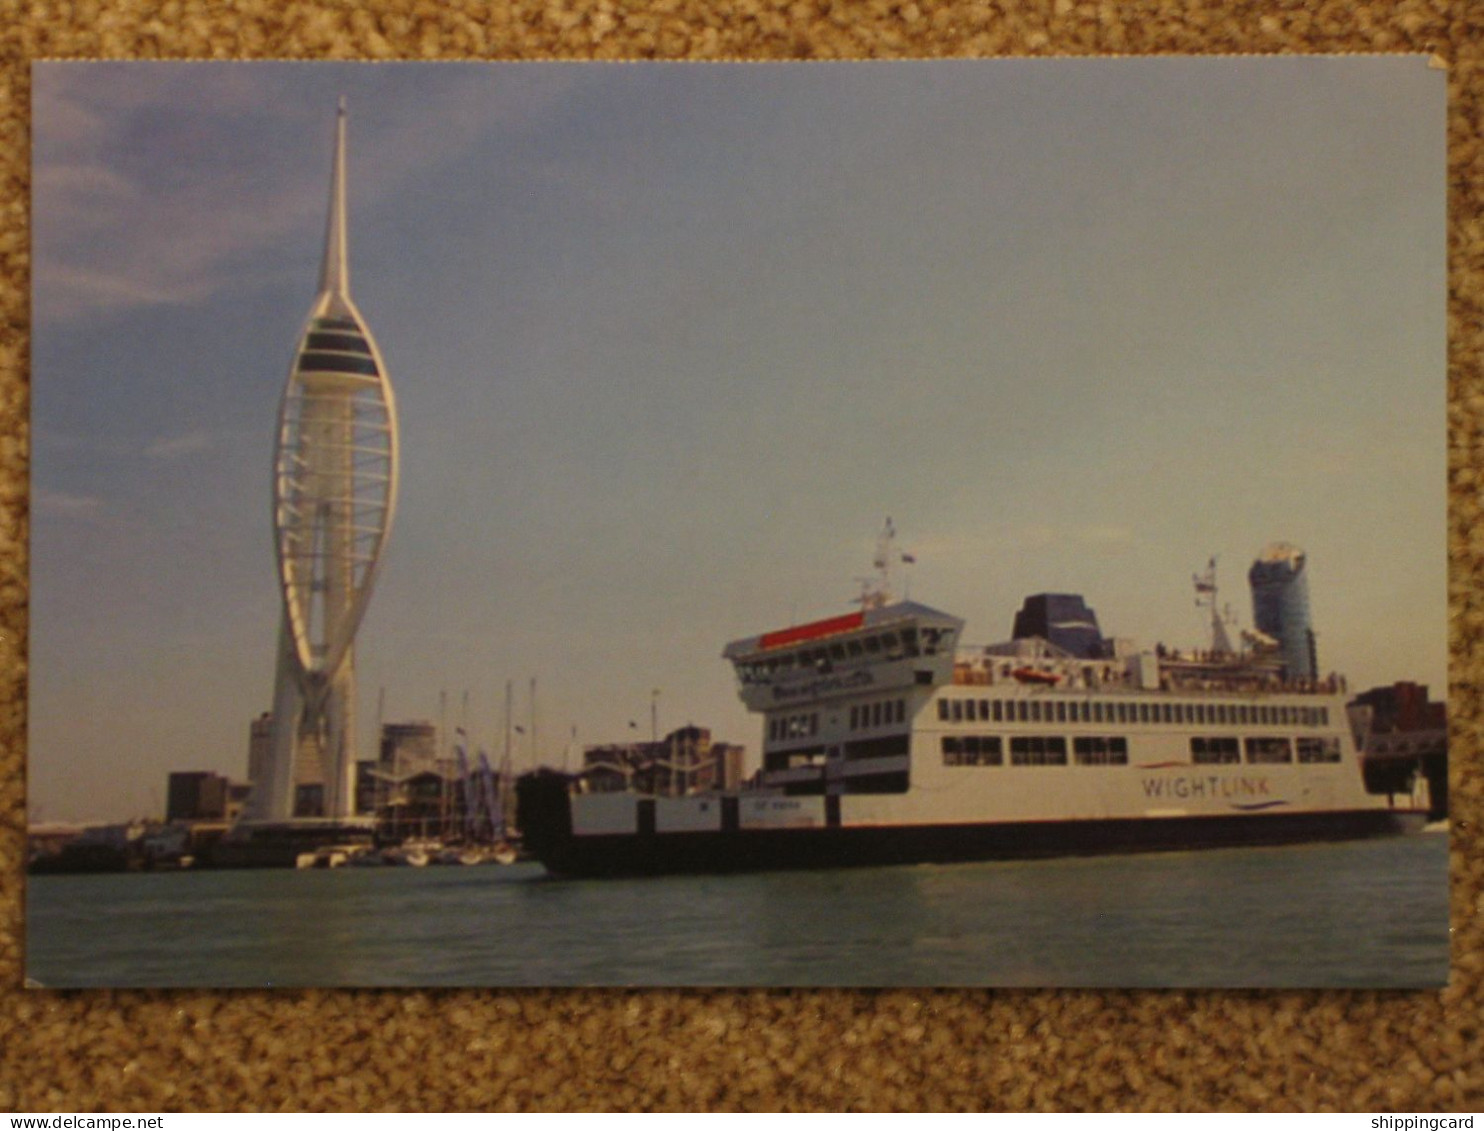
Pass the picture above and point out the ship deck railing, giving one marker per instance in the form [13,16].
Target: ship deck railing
[1179,673]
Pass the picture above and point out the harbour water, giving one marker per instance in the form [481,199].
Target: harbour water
[1367,913]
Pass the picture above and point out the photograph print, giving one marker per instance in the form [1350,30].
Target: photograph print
[935,523]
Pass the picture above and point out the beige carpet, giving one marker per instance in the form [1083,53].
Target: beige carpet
[80,1052]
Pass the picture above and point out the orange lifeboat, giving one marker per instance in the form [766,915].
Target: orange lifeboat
[1034,675]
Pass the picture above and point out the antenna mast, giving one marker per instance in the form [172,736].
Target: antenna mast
[1205,598]
[876,590]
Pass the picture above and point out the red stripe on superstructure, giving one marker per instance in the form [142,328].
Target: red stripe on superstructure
[812,631]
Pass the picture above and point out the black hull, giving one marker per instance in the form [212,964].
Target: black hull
[80,862]
[770,850]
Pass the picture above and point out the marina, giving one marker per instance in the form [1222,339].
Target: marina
[1367,913]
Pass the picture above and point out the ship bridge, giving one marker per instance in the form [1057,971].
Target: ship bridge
[873,649]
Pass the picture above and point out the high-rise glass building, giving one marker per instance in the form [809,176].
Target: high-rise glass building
[334,497]
[1280,607]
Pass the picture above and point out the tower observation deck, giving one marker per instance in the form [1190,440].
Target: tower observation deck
[334,498]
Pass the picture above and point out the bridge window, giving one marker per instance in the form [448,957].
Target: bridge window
[808,757]
[909,641]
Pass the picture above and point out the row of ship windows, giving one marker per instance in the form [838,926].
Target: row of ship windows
[907,643]
[887,712]
[1100,750]
[1033,750]
[958,710]
[1219,751]
[884,713]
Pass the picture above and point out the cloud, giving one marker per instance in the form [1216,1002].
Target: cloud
[169,184]
[65,292]
[173,447]
[64,505]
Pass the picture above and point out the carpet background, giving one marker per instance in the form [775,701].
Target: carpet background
[144,1051]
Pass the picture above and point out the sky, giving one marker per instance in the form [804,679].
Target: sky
[669,342]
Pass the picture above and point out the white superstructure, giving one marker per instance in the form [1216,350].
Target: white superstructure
[862,708]
[895,740]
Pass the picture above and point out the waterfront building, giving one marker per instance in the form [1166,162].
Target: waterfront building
[684,762]
[199,795]
[260,748]
[368,787]
[427,803]
[408,748]
[50,838]
[1280,607]
[334,497]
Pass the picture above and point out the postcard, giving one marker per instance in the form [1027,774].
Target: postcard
[935,523]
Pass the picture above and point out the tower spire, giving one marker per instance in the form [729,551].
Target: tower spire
[334,497]
[334,276]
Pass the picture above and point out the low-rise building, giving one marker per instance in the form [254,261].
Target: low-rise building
[685,761]
[200,795]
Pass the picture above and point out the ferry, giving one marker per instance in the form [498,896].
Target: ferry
[888,740]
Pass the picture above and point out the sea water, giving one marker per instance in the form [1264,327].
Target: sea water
[1365,913]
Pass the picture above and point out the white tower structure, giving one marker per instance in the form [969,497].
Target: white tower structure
[334,498]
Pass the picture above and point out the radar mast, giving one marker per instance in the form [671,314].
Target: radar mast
[1206,598]
[876,591]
